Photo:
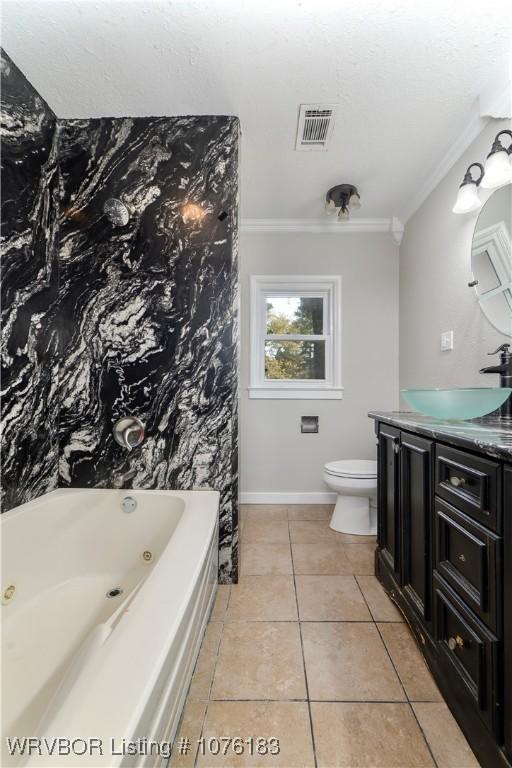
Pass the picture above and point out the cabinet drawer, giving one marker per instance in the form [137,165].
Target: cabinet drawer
[467,555]
[470,483]
[469,651]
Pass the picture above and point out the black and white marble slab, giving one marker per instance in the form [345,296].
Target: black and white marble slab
[490,436]
[29,341]
[148,309]
[101,321]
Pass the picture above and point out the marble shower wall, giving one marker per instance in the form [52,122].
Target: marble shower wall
[148,309]
[29,342]
[137,319]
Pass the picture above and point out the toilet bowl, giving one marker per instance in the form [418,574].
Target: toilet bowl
[355,482]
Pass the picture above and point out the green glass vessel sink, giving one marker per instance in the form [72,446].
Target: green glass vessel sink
[456,403]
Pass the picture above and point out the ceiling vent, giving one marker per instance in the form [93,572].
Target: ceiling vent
[316,122]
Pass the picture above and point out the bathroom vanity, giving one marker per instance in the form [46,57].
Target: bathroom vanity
[444,554]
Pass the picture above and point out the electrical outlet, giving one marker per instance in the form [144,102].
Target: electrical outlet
[446,341]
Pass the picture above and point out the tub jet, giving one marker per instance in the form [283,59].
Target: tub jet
[115,592]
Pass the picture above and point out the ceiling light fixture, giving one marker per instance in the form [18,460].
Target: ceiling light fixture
[498,168]
[468,198]
[342,199]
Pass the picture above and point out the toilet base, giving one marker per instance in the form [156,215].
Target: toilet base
[356,515]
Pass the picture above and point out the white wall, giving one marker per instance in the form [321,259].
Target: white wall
[275,456]
[435,268]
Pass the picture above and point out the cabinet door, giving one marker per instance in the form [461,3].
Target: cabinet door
[416,481]
[388,497]
[507,598]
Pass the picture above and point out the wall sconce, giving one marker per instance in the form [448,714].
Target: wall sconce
[498,168]
[343,198]
[468,198]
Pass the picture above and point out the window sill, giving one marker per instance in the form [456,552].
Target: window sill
[295,393]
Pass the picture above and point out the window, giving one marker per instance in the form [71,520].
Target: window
[295,337]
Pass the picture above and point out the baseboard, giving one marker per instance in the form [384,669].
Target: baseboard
[275,497]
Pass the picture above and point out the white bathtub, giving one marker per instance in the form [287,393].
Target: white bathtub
[77,664]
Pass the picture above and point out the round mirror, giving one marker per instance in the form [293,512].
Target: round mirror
[491,259]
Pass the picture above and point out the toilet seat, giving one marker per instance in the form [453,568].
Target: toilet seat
[352,468]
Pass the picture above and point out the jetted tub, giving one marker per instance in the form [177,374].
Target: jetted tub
[104,608]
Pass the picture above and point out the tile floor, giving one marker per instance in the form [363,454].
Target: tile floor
[308,649]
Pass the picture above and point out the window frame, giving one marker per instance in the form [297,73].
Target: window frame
[328,287]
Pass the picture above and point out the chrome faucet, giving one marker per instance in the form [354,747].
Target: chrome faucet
[129,432]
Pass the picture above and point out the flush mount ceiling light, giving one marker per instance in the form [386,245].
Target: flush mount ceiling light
[342,199]
[498,168]
[468,198]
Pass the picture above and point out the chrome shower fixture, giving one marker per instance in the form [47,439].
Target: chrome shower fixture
[116,212]
[129,432]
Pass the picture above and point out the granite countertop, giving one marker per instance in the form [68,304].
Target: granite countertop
[489,436]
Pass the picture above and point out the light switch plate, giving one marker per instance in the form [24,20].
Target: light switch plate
[446,341]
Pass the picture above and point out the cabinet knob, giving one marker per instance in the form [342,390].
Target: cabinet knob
[455,642]
[396,447]
[457,481]
[462,558]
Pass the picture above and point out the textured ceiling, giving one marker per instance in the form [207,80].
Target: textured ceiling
[406,75]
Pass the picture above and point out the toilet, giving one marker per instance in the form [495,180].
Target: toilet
[355,482]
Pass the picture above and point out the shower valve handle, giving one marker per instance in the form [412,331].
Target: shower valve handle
[129,432]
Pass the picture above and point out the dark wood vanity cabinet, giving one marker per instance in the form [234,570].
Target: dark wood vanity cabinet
[507,606]
[444,554]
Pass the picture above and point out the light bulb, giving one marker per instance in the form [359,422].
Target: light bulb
[467,199]
[330,206]
[497,170]
[343,214]
[191,212]
[354,201]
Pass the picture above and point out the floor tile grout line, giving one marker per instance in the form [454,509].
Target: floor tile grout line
[302,649]
[387,621]
[300,621]
[365,600]
[187,697]
[406,694]
[332,701]
[196,754]
[210,699]
[304,621]
[399,678]
[408,701]
[421,729]
[385,646]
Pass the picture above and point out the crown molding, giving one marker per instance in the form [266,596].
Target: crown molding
[316,225]
[495,98]
[473,129]
[397,230]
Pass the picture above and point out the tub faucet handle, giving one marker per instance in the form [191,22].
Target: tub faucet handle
[129,432]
